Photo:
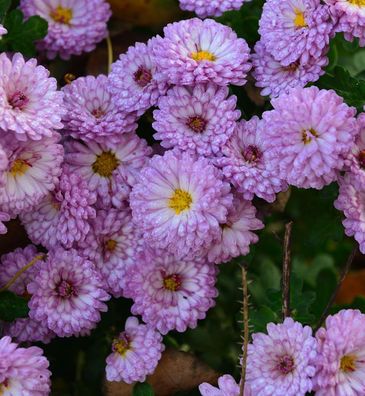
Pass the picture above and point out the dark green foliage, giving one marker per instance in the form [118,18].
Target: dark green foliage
[12,306]
[144,389]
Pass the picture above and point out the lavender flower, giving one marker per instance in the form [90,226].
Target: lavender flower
[204,8]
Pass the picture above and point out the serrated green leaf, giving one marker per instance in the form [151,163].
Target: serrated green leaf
[4,7]
[12,306]
[144,389]
[261,317]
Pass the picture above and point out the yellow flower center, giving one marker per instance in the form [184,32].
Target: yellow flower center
[308,135]
[105,164]
[348,363]
[62,15]
[299,20]
[172,282]
[360,3]
[111,245]
[203,55]
[4,386]
[121,345]
[180,201]
[19,167]
[197,124]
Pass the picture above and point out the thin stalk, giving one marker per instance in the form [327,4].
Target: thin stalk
[246,331]
[286,270]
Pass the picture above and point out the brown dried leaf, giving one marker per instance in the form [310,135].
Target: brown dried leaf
[352,287]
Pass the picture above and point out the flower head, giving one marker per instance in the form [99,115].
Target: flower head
[170,294]
[74,26]
[111,245]
[132,79]
[341,355]
[210,7]
[275,79]
[33,171]
[245,162]
[67,294]
[282,362]
[109,169]
[23,371]
[30,105]
[136,353]
[63,215]
[92,114]
[293,30]
[227,386]
[199,119]
[195,51]
[29,330]
[308,134]
[179,203]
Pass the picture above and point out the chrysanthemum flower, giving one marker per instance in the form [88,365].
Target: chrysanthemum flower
[350,16]
[227,386]
[30,105]
[91,113]
[63,215]
[195,51]
[67,294]
[282,362]
[109,169]
[204,8]
[236,236]
[3,217]
[136,353]
[23,371]
[111,245]
[308,134]
[351,201]
[132,79]
[274,78]
[74,26]
[199,119]
[170,293]
[293,30]
[23,330]
[179,203]
[33,171]
[341,355]
[245,162]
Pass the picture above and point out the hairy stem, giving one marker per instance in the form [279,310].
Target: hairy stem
[343,275]
[21,271]
[286,270]
[246,331]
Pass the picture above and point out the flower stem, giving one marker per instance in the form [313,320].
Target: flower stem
[246,331]
[286,270]
[21,271]
[110,52]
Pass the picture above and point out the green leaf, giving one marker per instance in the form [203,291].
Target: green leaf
[350,88]
[326,284]
[261,317]
[144,389]
[12,306]
[4,7]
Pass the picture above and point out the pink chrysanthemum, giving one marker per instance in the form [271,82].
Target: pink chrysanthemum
[275,78]
[170,294]
[195,51]
[179,203]
[3,217]
[33,171]
[74,26]
[341,355]
[350,16]
[23,330]
[245,162]
[109,169]
[64,215]
[92,115]
[23,371]
[132,79]
[199,119]
[236,235]
[111,245]
[308,134]
[205,8]
[227,386]
[30,105]
[282,362]
[293,30]
[136,353]
[351,201]
[67,294]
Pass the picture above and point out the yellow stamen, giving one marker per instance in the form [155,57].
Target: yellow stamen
[180,201]
[348,363]
[19,167]
[360,3]
[308,135]
[105,164]
[111,245]
[62,15]
[172,282]
[121,346]
[203,55]
[299,20]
